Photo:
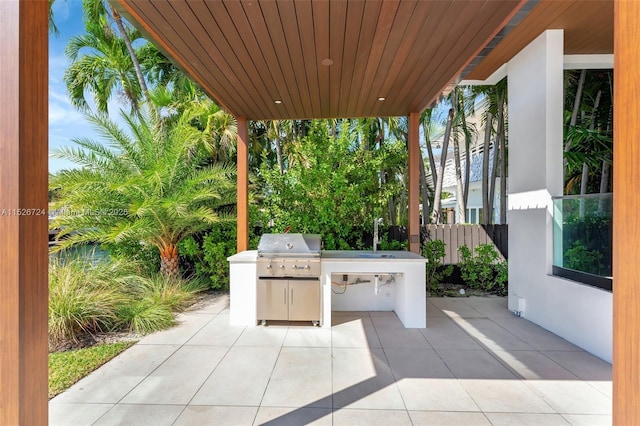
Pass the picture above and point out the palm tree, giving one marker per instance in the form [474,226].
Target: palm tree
[95,12]
[494,100]
[150,183]
[436,214]
[101,65]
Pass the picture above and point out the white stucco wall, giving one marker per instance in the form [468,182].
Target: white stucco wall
[581,314]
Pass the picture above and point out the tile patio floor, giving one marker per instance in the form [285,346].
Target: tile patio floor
[474,364]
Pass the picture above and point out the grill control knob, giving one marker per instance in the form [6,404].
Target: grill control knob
[295,267]
[269,267]
[282,266]
[307,267]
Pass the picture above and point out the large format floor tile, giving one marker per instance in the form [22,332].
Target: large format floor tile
[177,380]
[351,417]
[240,378]
[197,415]
[354,332]
[216,332]
[444,333]
[301,378]
[533,365]
[140,415]
[526,419]
[506,396]
[474,364]
[572,397]
[188,324]
[111,382]
[443,418]
[363,379]
[75,414]
[277,416]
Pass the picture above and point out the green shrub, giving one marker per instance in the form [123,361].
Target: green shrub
[209,256]
[483,269]
[152,302]
[88,296]
[144,316]
[385,244]
[145,257]
[434,251]
[82,298]
[579,258]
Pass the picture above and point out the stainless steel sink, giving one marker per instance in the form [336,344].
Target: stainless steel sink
[376,255]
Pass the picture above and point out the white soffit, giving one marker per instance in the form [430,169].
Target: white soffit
[582,62]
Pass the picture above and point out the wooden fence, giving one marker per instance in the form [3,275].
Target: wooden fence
[455,236]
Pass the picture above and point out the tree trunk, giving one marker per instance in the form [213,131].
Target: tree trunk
[462,208]
[432,160]
[585,168]
[436,214]
[503,162]
[604,184]
[424,192]
[169,260]
[278,144]
[494,173]
[574,114]
[486,219]
[467,161]
[136,64]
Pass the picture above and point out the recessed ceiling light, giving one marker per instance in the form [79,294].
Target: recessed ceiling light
[277,101]
[381,98]
[327,62]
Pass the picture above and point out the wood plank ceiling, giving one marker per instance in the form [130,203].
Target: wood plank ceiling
[588,29]
[265,59]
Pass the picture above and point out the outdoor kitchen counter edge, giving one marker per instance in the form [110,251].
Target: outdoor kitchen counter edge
[248,256]
[251,256]
[369,256]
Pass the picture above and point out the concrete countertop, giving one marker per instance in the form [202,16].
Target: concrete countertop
[367,256]
[247,256]
[250,256]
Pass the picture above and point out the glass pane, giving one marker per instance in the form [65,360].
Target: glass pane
[582,233]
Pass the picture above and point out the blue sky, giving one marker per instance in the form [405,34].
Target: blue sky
[65,122]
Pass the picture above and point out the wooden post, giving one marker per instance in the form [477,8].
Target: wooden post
[626,204]
[414,182]
[243,185]
[23,215]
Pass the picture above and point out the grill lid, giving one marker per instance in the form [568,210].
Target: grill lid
[289,245]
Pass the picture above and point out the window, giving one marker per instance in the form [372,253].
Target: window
[474,215]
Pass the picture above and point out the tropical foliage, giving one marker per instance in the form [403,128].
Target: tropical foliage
[87,297]
[588,131]
[332,184]
[151,183]
[482,268]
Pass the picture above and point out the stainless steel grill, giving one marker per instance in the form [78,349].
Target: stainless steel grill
[289,255]
[288,277]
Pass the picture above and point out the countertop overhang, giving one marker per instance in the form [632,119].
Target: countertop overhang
[344,255]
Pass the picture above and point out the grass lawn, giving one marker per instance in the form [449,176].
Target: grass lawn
[66,368]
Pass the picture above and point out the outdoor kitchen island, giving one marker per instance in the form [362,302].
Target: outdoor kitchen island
[350,280]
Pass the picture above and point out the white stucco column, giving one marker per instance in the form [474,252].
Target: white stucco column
[535,149]
[577,312]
